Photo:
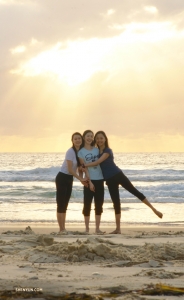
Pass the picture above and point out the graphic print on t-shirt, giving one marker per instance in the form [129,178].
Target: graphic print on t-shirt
[90,157]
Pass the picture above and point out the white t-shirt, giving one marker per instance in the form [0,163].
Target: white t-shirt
[70,155]
[89,156]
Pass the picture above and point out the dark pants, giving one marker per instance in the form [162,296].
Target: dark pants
[64,184]
[98,198]
[113,186]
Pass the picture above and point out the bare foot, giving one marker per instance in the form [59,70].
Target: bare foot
[158,213]
[62,232]
[115,232]
[99,232]
[86,232]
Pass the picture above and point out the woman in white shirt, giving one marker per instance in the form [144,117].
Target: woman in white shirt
[88,154]
[64,180]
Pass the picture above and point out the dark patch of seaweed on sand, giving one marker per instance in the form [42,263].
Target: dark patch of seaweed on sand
[145,234]
[160,273]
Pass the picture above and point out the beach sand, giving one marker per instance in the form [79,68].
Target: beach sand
[109,266]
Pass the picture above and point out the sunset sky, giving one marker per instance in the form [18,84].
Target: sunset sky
[73,65]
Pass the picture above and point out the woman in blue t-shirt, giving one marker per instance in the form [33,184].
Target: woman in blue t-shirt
[115,177]
[89,153]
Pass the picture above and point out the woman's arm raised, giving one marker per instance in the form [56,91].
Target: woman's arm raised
[98,161]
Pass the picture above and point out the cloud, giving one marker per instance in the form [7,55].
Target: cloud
[18,49]
[115,66]
[76,61]
[151,9]
[108,13]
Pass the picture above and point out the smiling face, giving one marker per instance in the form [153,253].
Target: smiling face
[100,140]
[77,141]
[88,138]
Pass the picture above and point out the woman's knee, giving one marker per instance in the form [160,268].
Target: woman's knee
[61,208]
[98,210]
[86,210]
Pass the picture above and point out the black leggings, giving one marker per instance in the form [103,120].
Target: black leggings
[64,184]
[98,198]
[113,186]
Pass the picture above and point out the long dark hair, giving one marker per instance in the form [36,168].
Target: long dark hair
[87,131]
[75,150]
[106,138]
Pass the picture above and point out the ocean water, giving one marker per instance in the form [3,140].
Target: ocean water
[27,189]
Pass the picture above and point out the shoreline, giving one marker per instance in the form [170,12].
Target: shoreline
[125,229]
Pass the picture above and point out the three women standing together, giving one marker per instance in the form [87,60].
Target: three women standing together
[98,165]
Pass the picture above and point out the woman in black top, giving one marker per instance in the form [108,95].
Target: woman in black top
[115,177]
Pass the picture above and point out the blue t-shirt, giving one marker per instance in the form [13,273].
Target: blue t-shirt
[108,166]
[89,156]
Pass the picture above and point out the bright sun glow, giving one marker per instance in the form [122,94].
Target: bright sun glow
[76,61]
[73,64]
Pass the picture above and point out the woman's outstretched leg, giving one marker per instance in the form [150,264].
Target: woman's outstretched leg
[126,183]
[158,213]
